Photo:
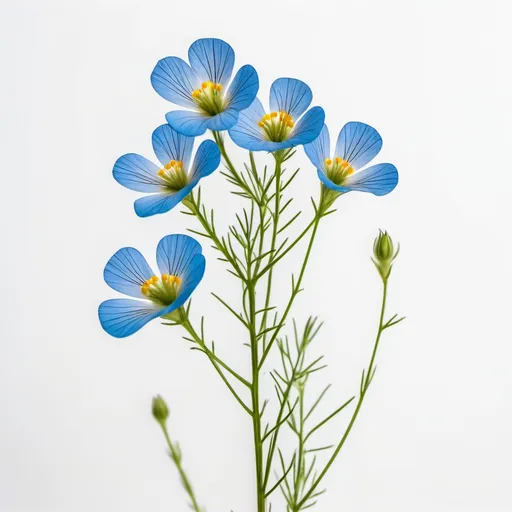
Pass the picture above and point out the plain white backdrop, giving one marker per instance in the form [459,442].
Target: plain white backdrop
[76,434]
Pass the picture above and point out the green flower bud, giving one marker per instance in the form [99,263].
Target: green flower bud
[159,409]
[384,254]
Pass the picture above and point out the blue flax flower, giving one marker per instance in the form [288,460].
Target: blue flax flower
[282,127]
[202,88]
[175,179]
[181,266]
[357,145]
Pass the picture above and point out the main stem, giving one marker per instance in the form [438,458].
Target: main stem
[256,413]
[364,388]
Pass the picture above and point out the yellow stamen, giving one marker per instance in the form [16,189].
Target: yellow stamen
[273,114]
[291,124]
[154,279]
[261,124]
[165,277]
[328,161]
[171,279]
[338,160]
[218,87]
[267,117]
[204,85]
[178,280]
[161,173]
[196,93]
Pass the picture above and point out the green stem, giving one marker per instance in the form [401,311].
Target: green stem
[176,457]
[194,207]
[364,389]
[300,458]
[295,289]
[256,415]
[217,364]
[275,228]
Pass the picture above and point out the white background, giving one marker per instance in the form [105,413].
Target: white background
[76,433]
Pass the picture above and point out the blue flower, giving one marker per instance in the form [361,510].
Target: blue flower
[283,127]
[202,87]
[176,178]
[357,145]
[181,265]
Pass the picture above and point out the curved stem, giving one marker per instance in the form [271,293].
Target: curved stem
[364,388]
[216,364]
[176,458]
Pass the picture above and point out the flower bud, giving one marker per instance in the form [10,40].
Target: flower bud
[159,409]
[383,251]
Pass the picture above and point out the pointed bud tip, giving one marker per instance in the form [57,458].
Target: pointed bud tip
[384,253]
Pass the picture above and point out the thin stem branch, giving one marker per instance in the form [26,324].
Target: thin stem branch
[364,389]
[176,458]
[217,364]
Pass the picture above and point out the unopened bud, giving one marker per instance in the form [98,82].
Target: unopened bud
[384,254]
[160,409]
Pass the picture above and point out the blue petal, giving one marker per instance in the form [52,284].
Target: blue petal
[188,123]
[378,179]
[291,95]
[137,173]
[122,317]
[174,254]
[126,271]
[309,127]
[207,159]
[161,203]
[223,121]
[319,149]
[169,145]
[212,59]
[246,133]
[358,143]
[193,275]
[243,88]
[174,80]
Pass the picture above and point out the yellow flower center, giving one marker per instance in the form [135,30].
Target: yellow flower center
[163,290]
[209,98]
[173,175]
[276,126]
[338,170]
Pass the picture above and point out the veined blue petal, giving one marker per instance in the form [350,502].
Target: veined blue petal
[174,80]
[126,271]
[192,277]
[175,253]
[309,127]
[246,133]
[161,203]
[169,145]
[137,173]
[122,317]
[188,123]
[320,149]
[378,179]
[358,143]
[207,159]
[291,95]
[212,59]
[243,88]
[223,121]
